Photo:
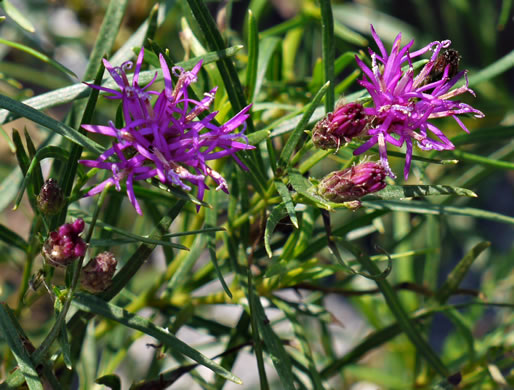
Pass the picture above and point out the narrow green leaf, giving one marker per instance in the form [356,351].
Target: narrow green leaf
[284,27]
[21,154]
[80,90]
[455,277]
[328,50]
[9,188]
[504,14]
[211,216]
[40,56]
[410,191]
[141,254]
[383,335]
[436,209]
[274,218]
[288,201]
[493,70]
[226,67]
[348,35]
[38,179]
[257,137]
[485,135]
[65,346]
[294,138]
[17,16]
[28,112]
[21,355]
[93,304]
[13,239]
[112,381]
[106,36]
[301,336]
[476,158]
[274,347]
[267,47]
[253,56]
[184,269]
[192,232]
[399,312]
[133,237]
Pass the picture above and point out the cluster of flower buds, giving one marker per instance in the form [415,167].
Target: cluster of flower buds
[352,183]
[98,272]
[65,245]
[340,126]
[50,199]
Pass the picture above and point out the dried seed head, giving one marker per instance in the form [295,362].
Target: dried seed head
[97,274]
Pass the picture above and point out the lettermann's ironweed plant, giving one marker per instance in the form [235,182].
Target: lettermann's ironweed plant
[209,195]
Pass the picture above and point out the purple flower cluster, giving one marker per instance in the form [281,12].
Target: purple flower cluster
[167,139]
[65,245]
[403,103]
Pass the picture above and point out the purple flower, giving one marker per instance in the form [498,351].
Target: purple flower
[167,139]
[404,103]
[352,183]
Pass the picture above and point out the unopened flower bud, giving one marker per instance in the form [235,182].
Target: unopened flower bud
[64,245]
[353,183]
[50,199]
[340,126]
[97,274]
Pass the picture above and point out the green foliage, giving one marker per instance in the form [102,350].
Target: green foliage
[270,285]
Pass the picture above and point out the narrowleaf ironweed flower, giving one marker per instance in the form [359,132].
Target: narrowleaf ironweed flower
[167,139]
[353,183]
[98,272]
[65,245]
[340,126]
[403,103]
[50,199]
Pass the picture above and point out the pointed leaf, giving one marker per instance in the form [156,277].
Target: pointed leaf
[274,218]
[455,278]
[294,138]
[410,191]
[15,344]
[93,304]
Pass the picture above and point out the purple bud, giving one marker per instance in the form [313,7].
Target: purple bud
[353,183]
[97,274]
[65,230]
[50,199]
[78,226]
[64,245]
[80,248]
[340,126]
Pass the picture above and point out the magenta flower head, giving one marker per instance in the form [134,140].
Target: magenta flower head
[168,139]
[340,126]
[353,183]
[65,245]
[404,103]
